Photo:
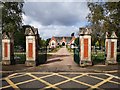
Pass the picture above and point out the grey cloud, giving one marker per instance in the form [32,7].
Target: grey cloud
[56,13]
[49,31]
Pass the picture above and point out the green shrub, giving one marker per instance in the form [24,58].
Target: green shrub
[22,58]
[99,57]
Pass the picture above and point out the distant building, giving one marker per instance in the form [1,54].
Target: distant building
[56,41]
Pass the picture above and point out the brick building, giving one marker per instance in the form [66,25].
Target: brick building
[56,41]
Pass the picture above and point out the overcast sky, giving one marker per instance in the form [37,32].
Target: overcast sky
[55,19]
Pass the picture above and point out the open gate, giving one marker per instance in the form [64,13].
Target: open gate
[76,55]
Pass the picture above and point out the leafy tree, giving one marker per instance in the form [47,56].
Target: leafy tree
[104,16]
[12,16]
[19,36]
[42,42]
[12,21]
[97,43]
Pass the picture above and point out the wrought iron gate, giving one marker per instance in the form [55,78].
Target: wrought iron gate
[76,55]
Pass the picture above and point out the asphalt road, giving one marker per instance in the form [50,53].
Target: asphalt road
[60,81]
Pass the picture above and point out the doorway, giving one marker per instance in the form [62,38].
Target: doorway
[63,44]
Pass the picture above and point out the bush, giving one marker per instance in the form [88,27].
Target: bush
[20,58]
[99,57]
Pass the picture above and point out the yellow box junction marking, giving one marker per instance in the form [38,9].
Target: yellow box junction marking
[12,84]
[102,82]
[43,81]
[59,74]
[70,79]
[26,81]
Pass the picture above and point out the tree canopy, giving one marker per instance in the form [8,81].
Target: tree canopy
[104,16]
[12,21]
[12,16]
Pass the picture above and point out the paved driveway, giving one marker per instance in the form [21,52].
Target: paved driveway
[63,57]
[60,81]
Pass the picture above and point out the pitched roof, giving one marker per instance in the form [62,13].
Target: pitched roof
[63,38]
[53,38]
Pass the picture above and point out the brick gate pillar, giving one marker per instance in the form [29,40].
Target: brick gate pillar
[31,46]
[7,49]
[111,48]
[85,47]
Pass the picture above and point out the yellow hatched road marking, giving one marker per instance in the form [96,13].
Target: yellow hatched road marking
[58,74]
[17,76]
[33,79]
[43,81]
[103,79]
[5,87]
[26,81]
[102,82]
[12,75]
[12,84]
[68,79]
[113,76]
[73,79]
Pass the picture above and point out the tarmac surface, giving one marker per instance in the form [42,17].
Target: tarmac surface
[60,81]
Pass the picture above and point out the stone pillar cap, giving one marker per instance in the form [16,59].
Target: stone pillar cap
[85,31]
[31,31]
[112,36]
